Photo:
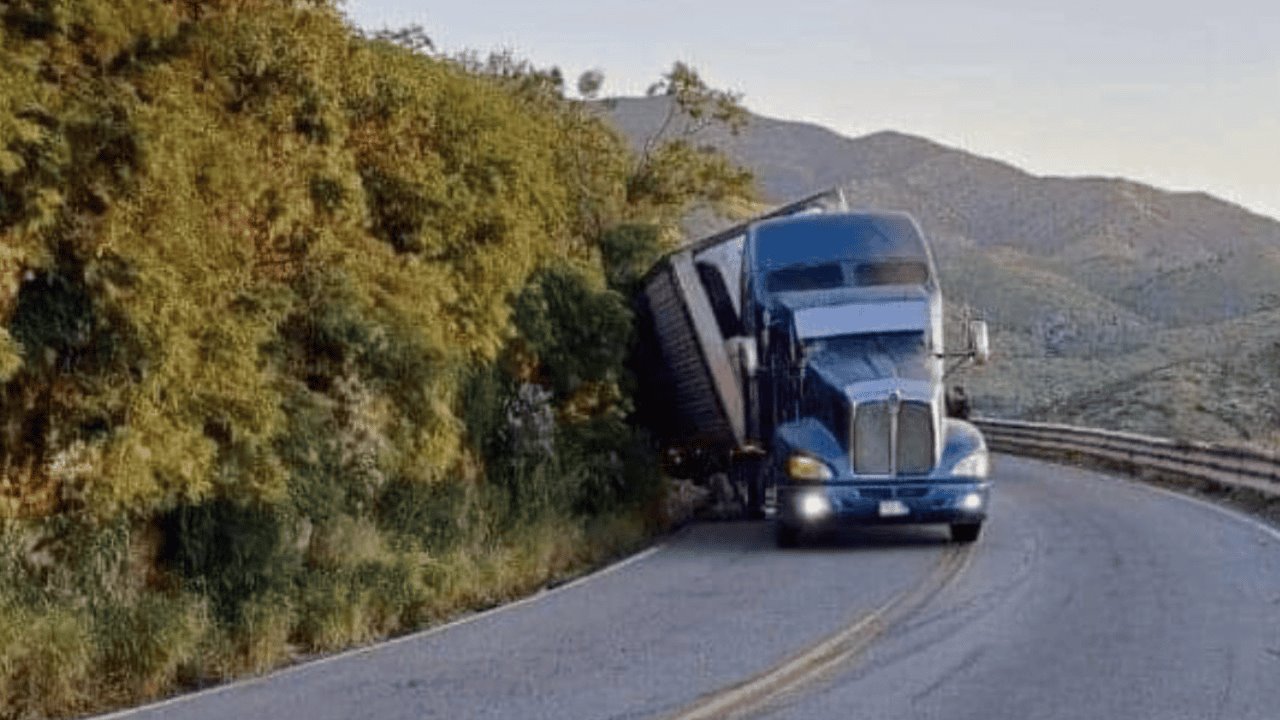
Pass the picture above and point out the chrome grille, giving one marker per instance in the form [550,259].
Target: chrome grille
[915,439]
[872,442]
[871,439]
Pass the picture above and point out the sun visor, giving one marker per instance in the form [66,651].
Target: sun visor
[862,318]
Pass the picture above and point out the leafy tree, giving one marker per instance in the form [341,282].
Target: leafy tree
[673,172]
[413,38]
[590,83]
[701,105]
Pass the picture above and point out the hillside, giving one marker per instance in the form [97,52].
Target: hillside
[1112,303]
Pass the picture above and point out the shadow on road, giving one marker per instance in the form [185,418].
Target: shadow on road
[757,536]
[874,538]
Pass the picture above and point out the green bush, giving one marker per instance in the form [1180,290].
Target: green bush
[578,329]
[230,552]
[628,251]
[434,516]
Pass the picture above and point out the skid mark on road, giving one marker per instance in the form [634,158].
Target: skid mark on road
[818,661]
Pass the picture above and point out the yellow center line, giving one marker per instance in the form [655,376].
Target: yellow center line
[818,660]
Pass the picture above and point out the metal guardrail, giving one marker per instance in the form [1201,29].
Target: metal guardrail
[1228,467]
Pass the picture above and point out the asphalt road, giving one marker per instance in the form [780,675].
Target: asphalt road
[1087,597]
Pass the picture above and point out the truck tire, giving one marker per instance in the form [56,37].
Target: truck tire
[748,474]
[965,532]
[787,536]
[755,496]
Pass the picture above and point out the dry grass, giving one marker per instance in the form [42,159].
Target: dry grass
[67,656]
[47,660]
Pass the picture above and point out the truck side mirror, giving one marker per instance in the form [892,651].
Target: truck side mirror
[979,342]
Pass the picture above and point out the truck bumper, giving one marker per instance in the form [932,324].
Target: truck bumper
[962,501]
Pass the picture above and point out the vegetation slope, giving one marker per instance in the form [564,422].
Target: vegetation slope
[305,337]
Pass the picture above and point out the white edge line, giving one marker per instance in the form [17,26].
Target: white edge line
[1220,508]
[1239,515]
[392,642]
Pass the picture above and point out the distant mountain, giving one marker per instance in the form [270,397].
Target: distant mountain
[1113,302]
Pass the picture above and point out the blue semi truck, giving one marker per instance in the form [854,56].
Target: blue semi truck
[803,353]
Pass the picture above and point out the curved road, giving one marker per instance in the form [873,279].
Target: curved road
[1087,597]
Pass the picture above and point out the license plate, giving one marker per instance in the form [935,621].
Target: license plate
[893,508]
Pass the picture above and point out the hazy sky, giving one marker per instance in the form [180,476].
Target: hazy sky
[1184,95]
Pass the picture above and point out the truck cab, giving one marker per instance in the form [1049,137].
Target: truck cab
[847,394]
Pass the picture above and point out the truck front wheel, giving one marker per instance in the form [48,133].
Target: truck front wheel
[965,532]
[787,536]
[755,496]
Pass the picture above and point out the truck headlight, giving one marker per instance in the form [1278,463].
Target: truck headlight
[806,468]
[975,466]
[813,506]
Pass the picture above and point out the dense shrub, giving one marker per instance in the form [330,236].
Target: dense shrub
[231,553]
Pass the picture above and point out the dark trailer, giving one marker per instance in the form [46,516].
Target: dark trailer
[692,389]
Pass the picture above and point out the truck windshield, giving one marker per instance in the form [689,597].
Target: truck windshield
[896,345]
[835,238]
[806,277]
[828,275]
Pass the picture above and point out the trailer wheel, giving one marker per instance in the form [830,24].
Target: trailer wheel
[787,536]
[965,532]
